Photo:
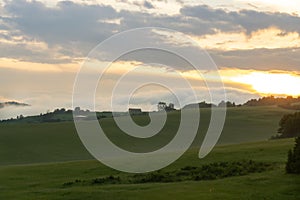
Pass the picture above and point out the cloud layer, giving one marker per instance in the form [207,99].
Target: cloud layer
[31,31]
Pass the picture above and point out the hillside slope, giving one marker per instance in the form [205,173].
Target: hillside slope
[46,181]
[56,142]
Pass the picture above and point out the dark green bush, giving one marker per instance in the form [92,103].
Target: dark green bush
[289,126]
[293,163]
[210,171]
[107,180]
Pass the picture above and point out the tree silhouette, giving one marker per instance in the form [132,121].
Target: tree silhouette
[289,125]
[293,163]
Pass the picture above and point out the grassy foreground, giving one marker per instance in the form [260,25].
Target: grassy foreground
[45,181]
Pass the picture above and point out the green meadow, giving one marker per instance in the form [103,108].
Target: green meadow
[48,161]
[46,181]
[26,143]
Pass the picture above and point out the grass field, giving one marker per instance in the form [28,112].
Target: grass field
[57,142]
[45,181]
[37,160]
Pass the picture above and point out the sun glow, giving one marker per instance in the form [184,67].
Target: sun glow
[270,38]
[271,83]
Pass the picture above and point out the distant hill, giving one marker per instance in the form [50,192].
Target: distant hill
[203,104]
[199,105]
[61,115]
[287,102]
[58,115]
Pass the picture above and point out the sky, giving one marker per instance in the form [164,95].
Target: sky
[254,44]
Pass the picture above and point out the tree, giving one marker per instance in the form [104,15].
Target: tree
[289,125]
[77,110]
[20,117]
[227,104]
[293,163]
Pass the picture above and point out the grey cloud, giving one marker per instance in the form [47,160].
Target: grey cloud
[22,52]
[77,28]
[13,103]
[79,22]
[148,5]
[67,23]
[142,4]
[74,28]
[156,48]
[178,22]
[248,20]
[260,59]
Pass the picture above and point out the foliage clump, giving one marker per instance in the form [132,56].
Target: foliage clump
[289,126]
[293,163]
[210,171]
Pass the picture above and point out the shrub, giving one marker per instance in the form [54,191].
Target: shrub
[293,163]
[289,126]
[210,171]
[107,180]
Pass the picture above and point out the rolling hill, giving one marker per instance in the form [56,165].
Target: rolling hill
[26,143]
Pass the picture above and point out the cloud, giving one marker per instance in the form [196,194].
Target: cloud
[143,4]
[244,20]
[73,27]
[38,67]
[13,103]
[148,5]
[259,59]
[70,30]
[271,38]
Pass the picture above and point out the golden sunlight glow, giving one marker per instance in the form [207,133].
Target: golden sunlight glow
[271,83]
[277,5]
[270,38]
[277,2]
[280,83]
[6,63]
